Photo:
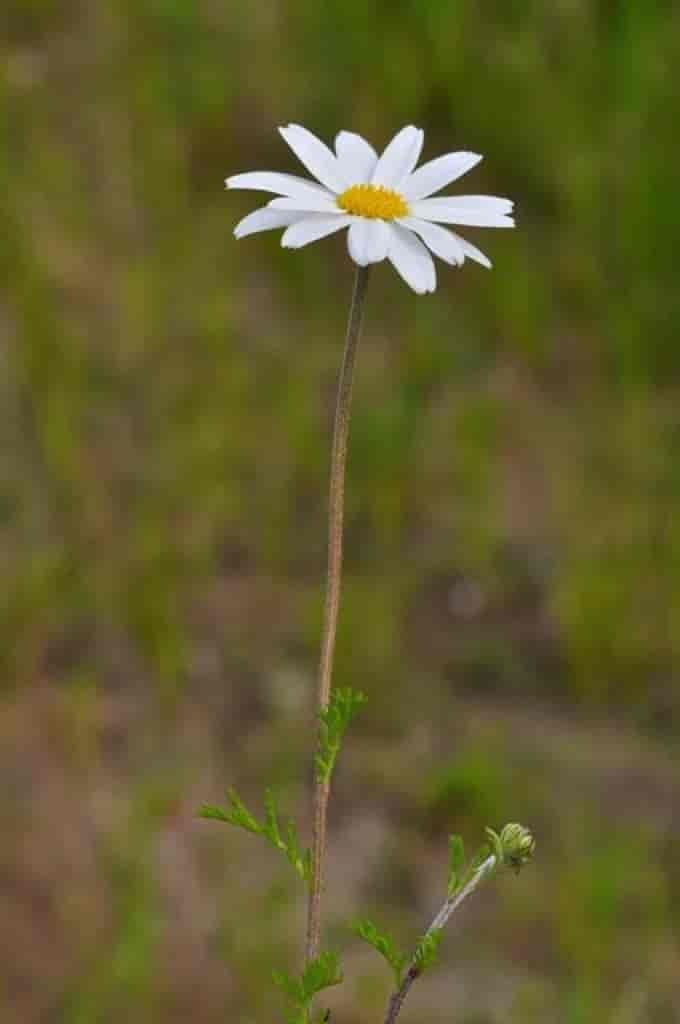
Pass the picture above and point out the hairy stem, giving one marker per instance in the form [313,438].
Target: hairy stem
[333,577]
[396,1000]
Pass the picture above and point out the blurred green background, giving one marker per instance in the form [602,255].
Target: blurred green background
[512,597]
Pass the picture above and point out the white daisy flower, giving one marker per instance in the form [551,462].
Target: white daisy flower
[383,201]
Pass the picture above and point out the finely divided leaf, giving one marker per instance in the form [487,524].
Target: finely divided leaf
[321,973]
[426,950]
[318,975]
[383,944]
[237,814]
[333,723]
[301,860]
[215,813]
[240,816]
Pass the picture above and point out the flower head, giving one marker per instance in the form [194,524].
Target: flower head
[515,845]
[384,201]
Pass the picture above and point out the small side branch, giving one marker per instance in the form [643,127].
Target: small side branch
[486,868]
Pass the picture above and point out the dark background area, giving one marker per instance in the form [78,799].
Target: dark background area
[512,595]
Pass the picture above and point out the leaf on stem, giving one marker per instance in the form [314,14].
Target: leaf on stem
[456,864]
[426,951]
[383,945]
[333,722]
[236,815]
[239,816]
[319,974]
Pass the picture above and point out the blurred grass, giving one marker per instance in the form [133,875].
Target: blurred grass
[513,534]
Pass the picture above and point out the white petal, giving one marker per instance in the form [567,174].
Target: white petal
[441,241]
[312,205]
[264,220]
[488,203]
[399,158]
[368,240]
[280,184]
[450,211]
[437,174]
[357,157]
[309,229]
[472,252]
[316,156]
[411,260]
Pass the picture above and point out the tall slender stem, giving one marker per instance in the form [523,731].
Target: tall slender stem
[333,577]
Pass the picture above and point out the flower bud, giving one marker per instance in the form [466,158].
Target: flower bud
[517,844]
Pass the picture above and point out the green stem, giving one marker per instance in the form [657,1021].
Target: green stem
[333,577]
[452,903]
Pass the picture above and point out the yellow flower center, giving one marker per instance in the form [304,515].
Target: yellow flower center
[372,201]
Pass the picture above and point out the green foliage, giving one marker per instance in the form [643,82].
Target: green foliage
[238,815]
[461,873]
[334,721]
[383,944]
[286,843]
[426,951]
[493,845]
[318,975]
[456,863]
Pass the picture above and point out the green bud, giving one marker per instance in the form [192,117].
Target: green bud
[517,844]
